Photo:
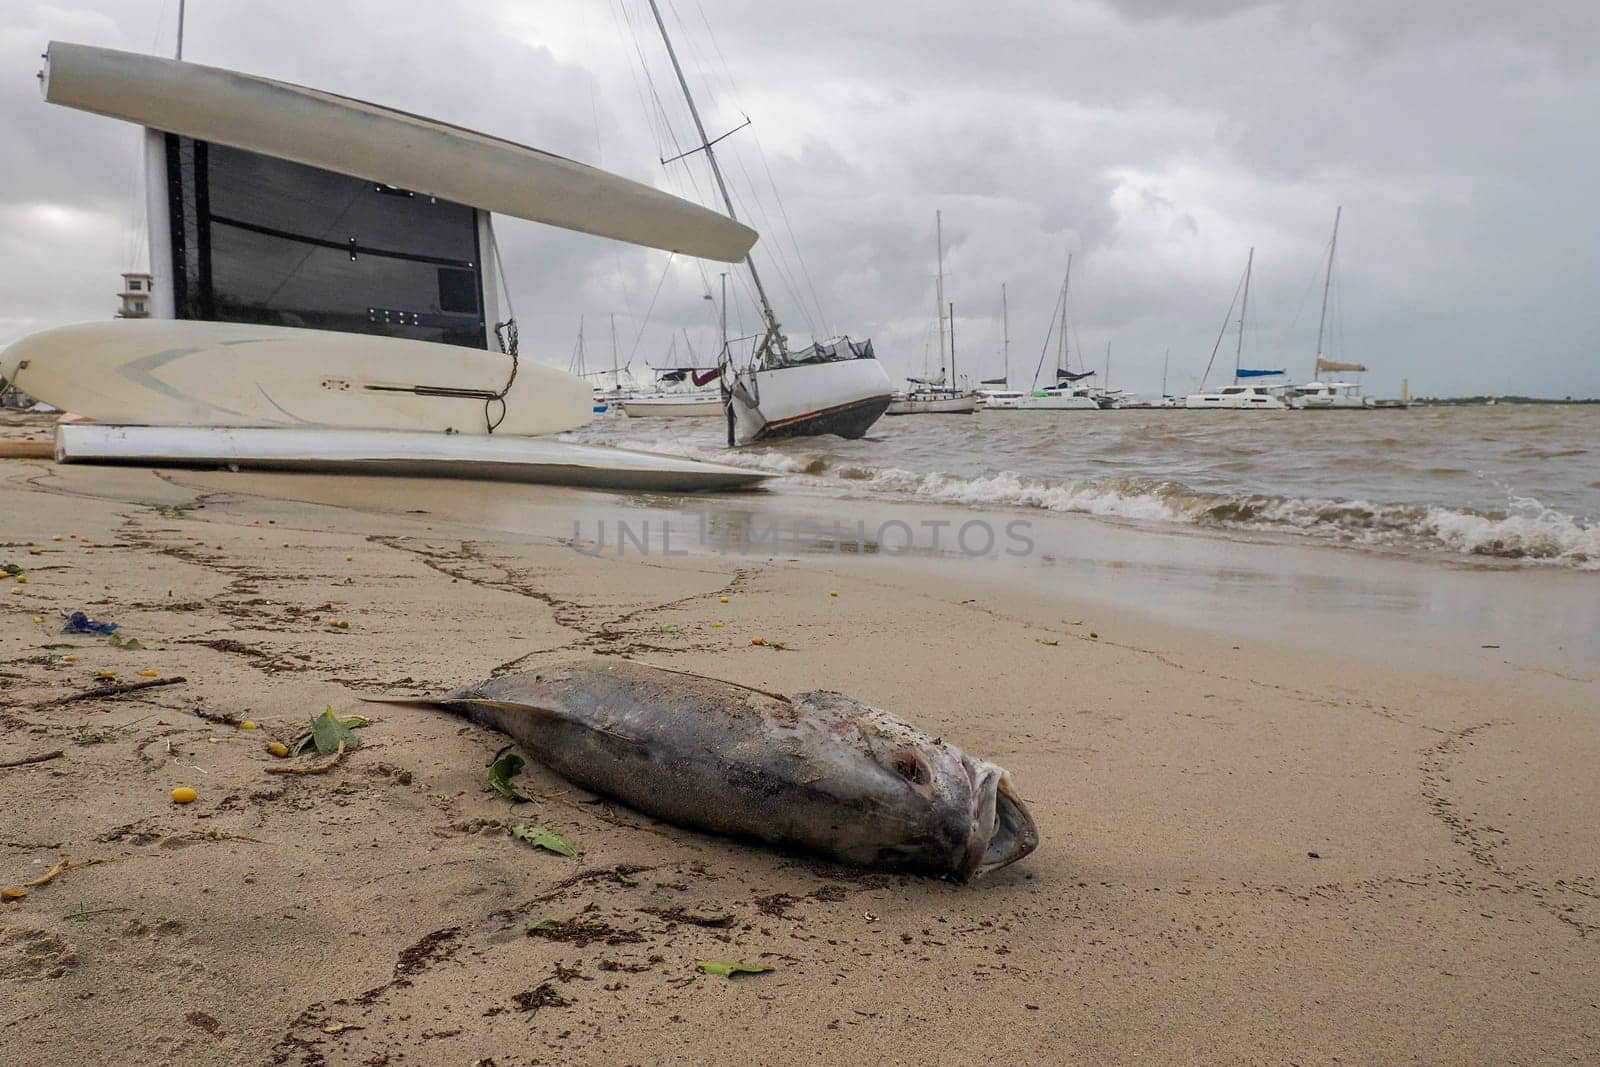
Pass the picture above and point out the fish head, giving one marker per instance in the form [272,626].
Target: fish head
[978,821]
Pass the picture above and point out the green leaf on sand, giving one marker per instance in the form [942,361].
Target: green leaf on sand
[729,968]
[539,837]
[327,731]
[344,724]
[501,771]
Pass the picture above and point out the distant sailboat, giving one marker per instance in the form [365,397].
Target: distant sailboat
[1319,394]
[937,396]
[1238,397]
[1064,393]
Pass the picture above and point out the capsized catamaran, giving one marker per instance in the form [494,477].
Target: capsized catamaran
[322,264]
[828,387]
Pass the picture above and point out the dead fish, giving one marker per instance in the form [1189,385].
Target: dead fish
[822,771]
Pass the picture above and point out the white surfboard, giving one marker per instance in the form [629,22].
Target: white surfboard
[383,145]
[162,372]
[433,455]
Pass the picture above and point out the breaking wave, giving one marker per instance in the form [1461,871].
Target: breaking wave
[1525,530]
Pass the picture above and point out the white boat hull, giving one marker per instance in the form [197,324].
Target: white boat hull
[957,404]
[1041,403]
[843,397]
[163,372]
[684,406]
[1233,402]
[388,452]
[383,145]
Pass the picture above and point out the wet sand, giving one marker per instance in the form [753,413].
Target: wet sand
[1257,848]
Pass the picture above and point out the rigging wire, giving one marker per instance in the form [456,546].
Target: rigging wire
[1048,333]
[1226,320]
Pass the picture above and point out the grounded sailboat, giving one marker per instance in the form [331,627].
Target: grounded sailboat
[1065,393]
[1318,394]
[1244,394]
[937,396]
[260,319]
[833,387]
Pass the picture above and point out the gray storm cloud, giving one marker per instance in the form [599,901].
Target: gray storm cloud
[1155,140]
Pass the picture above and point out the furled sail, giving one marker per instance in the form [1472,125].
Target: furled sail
[1245,372]
[1330,365]
[383,145]
[1063,375]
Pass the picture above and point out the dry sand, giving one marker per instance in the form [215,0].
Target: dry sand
[1252,852]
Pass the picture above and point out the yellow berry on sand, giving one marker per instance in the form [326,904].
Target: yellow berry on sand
[347,559]
[758,640]
[247,725]
[722,600]
[57,537]
[147,673]
[184,795]
[106,674]
[12,893]
[833,592]
[278,748]
[38,620]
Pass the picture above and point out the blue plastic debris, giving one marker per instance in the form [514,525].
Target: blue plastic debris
[79,623]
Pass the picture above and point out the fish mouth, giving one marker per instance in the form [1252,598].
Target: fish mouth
[1003,830]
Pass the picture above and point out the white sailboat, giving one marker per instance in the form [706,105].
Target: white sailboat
[829,387]
[937,395]
[1245,394]
[261,319]
[1066,393]
[986,394]
[1319,394]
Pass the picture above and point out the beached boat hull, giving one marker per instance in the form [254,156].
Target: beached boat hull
[387,452]
[686,406]
[163,372]
[841,397]
[381,144]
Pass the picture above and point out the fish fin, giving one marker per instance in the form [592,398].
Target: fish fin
[398,698]
[513,705]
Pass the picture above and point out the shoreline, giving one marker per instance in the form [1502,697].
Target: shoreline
[1182,776]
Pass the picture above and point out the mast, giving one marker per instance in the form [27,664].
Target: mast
[724,314]
[1327,281]
[938,289]
[179,53]
[1061,346]
[774,335]
[1164,361]
[1005,338]
[1243,307]
[1107,384]
[616,372]
[952,382]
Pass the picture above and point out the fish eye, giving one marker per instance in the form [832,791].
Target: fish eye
[908,766]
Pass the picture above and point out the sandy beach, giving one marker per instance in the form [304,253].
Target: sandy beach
[1256,848]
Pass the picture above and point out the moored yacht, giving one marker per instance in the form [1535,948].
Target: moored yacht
[1245,394]
[1315,396]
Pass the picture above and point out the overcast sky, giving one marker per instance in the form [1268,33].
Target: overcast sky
[1156,140]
